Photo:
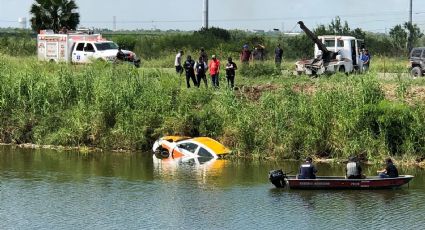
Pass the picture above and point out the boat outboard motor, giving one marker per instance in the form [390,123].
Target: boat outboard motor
[277,177]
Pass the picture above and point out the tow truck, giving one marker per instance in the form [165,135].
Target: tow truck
[332,54]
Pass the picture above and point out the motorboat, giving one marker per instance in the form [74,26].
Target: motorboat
[279,179]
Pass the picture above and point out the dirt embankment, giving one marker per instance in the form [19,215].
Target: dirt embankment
[254,92]
[391,90]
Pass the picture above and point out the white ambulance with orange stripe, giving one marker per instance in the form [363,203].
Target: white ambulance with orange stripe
[78,47]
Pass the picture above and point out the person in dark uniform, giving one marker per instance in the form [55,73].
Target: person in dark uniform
[278,54]
[189,67]
[120,55]
[230,72]
[307,170]
[203,54]
[201,69]
[353,169]
[390,170]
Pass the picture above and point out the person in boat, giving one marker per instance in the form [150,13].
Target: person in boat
[390,171]
[353,170]
[307,170]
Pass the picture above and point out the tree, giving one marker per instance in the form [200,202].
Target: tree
[321,30]
[414,34]
[358,33]
[406,34]
[54,15]
[337,28]
[215,32]
[399,37]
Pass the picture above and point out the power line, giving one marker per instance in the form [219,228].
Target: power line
[374,14]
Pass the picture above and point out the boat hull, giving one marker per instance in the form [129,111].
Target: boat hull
[341,183]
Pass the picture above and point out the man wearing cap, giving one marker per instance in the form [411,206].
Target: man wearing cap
[307,170]
[353,169]
[214,68]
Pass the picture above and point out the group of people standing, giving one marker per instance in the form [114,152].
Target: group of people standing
[258,54]
[353,169]
[197,70]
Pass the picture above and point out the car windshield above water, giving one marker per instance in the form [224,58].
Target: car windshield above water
[106,46]
[191,147]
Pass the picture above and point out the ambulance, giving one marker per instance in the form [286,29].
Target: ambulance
[79,48]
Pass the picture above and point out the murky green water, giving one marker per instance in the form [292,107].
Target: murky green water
[46,189]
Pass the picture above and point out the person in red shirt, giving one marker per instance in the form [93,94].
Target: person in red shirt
[245,55]
[214,68]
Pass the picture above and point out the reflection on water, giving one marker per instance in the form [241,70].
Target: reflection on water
[202,170]
[60,190]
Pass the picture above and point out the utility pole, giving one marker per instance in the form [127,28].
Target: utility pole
[409,39]
[114,23]
[205,14]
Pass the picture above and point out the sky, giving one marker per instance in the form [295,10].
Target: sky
[370,15]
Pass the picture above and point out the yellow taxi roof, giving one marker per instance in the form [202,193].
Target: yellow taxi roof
[175,138]
[214,145]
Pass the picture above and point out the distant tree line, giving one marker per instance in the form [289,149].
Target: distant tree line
[230,42]
[56,14]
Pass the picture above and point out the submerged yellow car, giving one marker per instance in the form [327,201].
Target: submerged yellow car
[181,146]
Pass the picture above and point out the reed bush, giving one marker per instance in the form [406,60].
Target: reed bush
[22,45]
[385,64]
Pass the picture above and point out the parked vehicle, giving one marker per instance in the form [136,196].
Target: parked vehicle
[79,48]
[417,61]
[331,54]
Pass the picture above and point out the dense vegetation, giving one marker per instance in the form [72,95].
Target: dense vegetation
[272,114]
[162,46]
[119,107]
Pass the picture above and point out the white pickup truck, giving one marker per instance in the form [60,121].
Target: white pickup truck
[79,48]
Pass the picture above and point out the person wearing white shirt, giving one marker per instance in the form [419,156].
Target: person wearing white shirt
[178,62]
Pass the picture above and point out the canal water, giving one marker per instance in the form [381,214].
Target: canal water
[47,189]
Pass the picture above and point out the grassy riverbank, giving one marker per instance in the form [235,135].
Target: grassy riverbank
[278,115]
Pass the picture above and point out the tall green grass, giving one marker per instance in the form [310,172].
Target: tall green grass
[390,64]
[120,107]
[22,45]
